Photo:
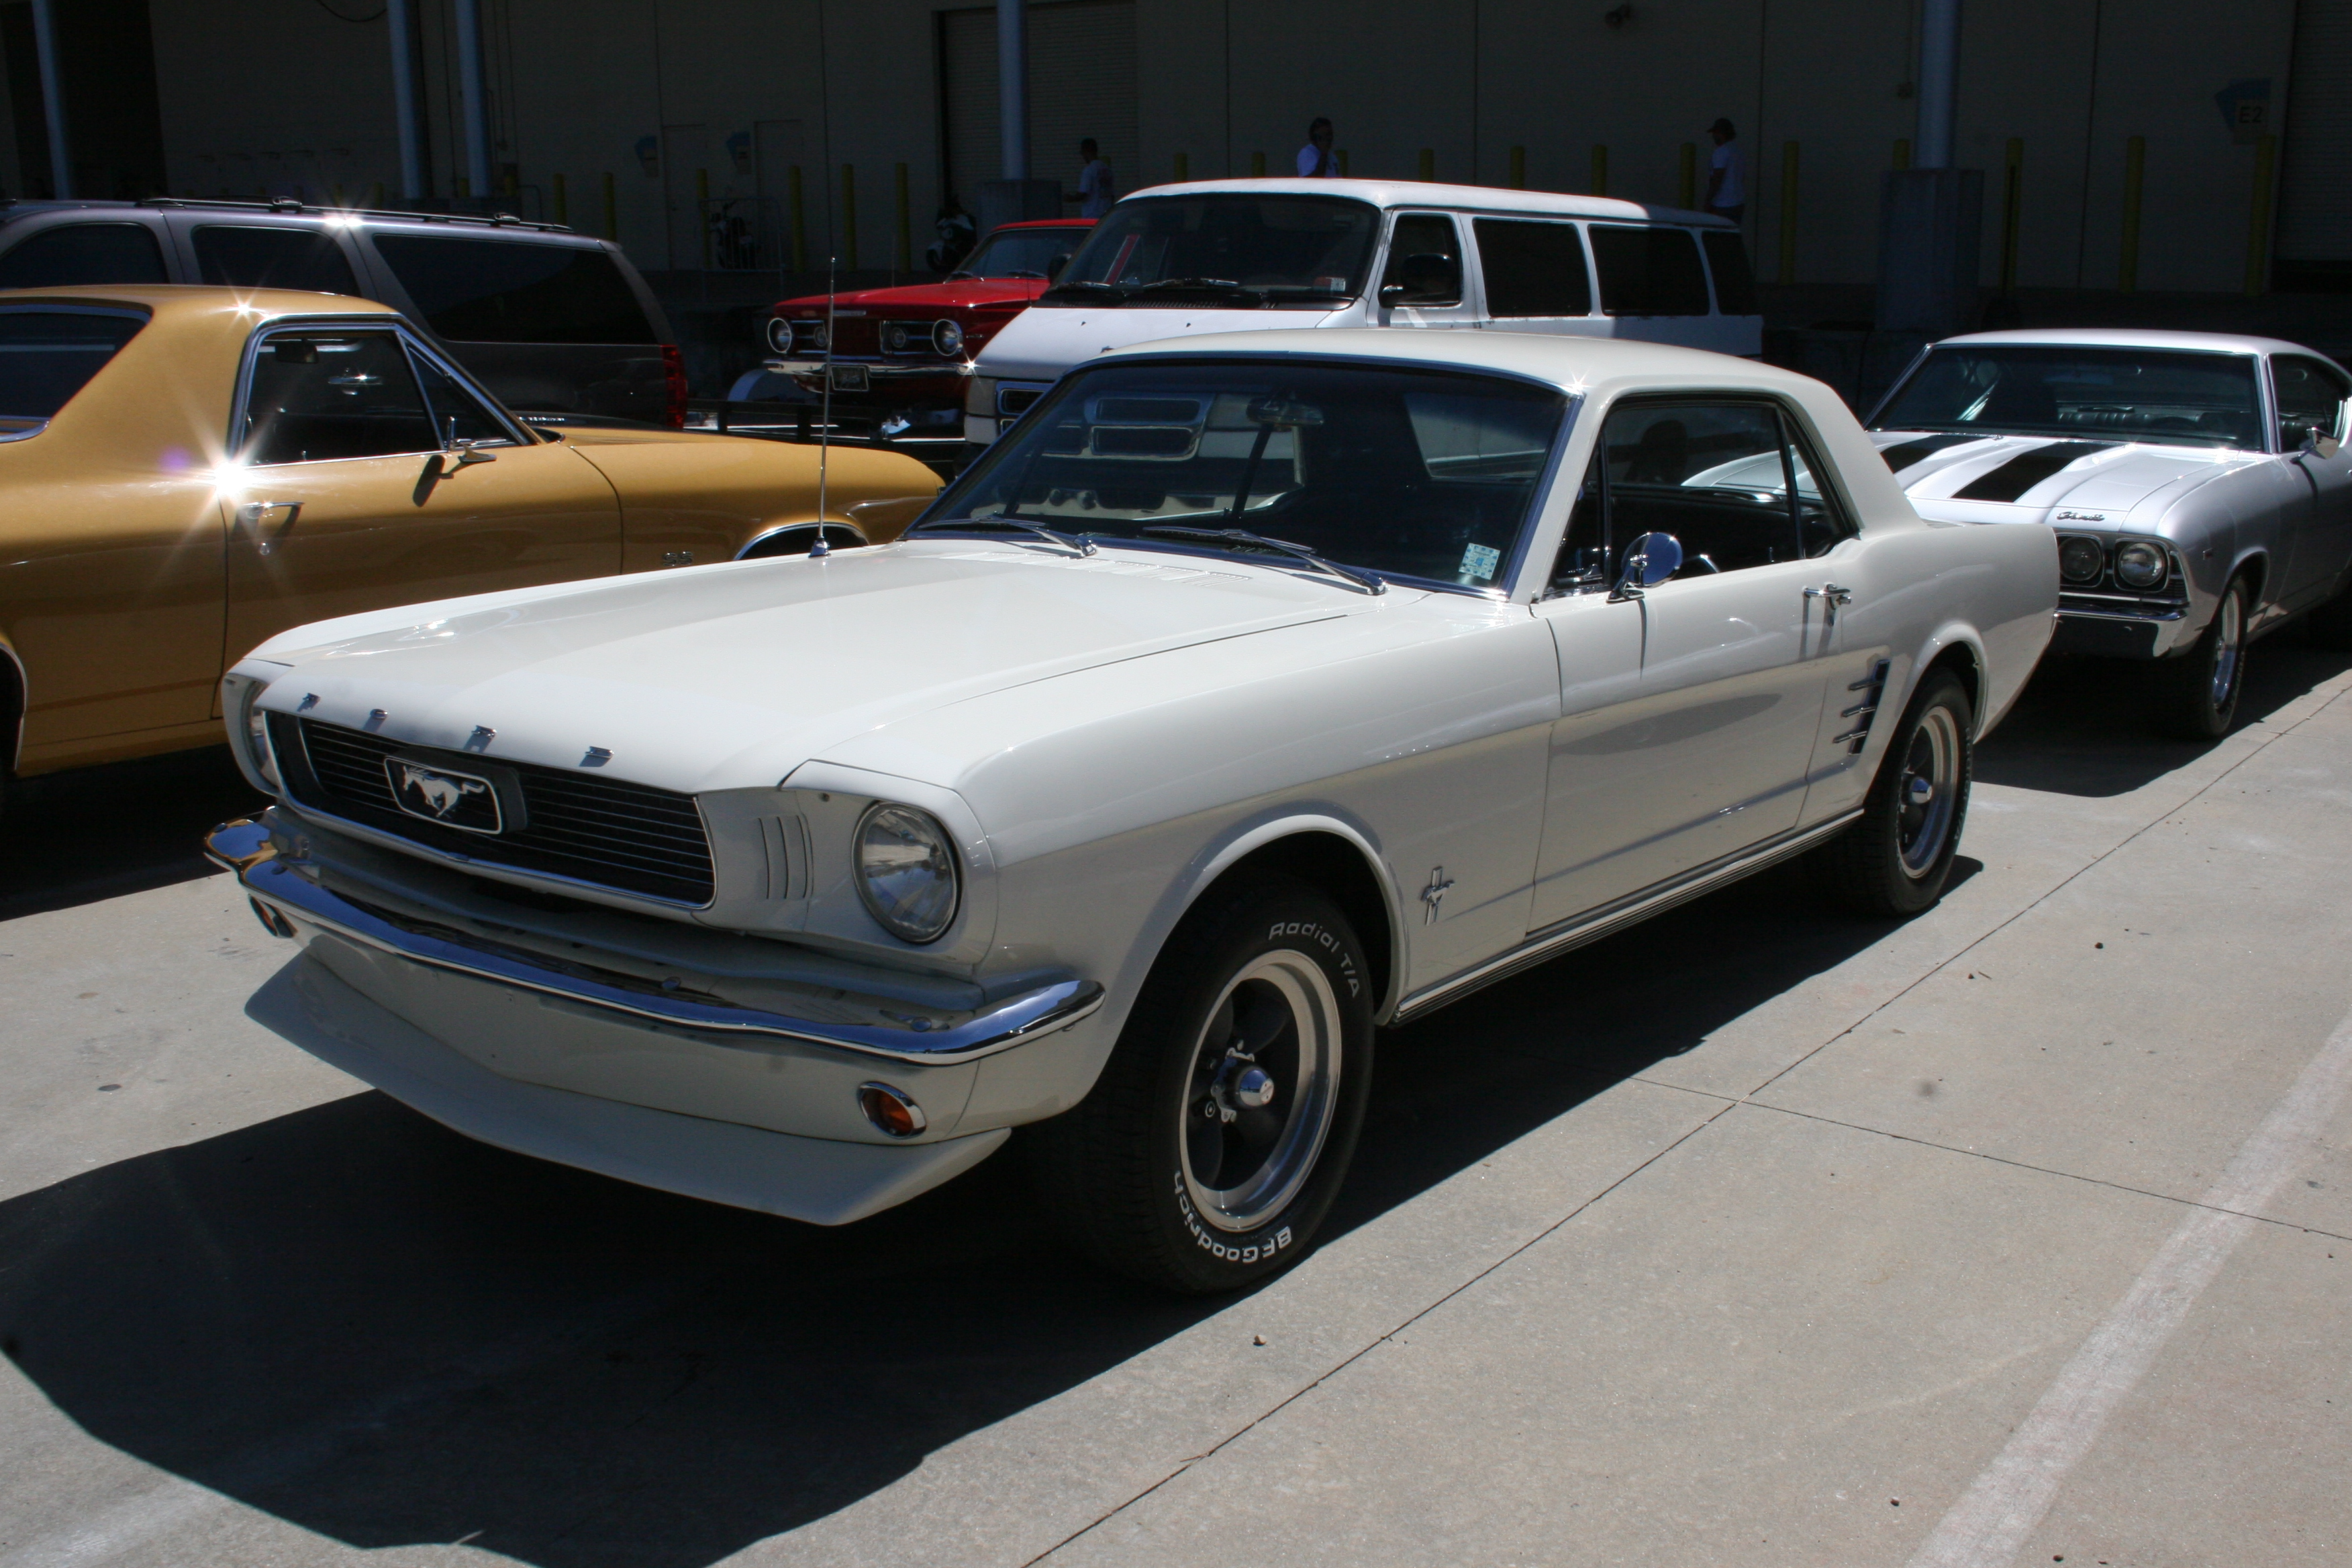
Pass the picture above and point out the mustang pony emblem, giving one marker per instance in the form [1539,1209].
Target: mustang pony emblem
[437,794]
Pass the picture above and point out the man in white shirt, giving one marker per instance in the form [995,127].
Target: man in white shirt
[1097,190]
[1726,179]
[1316,159]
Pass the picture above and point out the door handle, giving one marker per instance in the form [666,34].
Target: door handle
[1832,597]
[253,515]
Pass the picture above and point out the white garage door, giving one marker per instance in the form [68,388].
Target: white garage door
[2314,219]
[1081,84]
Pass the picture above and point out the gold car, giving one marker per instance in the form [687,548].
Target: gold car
[186,471]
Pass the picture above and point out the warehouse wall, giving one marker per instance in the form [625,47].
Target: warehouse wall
[585,87]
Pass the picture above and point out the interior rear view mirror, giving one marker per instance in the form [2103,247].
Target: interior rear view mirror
[294,351]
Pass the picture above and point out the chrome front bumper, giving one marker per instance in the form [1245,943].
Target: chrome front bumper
[286,901]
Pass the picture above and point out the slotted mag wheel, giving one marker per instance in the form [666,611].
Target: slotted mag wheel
[1264,1087]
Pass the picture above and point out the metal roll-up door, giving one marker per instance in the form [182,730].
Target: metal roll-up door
[2314,214]
[1081,84]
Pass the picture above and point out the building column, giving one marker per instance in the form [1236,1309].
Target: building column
[1013,85]
[400,21]
[473,96]
[53,99]
[1939,81]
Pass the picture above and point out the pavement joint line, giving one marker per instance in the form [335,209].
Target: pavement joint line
[1384,1337]
[2342,684]
[1996,1159]
[1988,1524]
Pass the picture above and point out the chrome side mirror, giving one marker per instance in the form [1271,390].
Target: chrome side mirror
[1649,561]
[2313,441]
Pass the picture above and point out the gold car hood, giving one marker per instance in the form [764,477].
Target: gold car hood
[730,675]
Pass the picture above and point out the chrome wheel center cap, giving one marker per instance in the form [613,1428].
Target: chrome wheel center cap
[1253,1090]
[1918,790]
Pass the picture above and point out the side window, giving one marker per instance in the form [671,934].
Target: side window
[1735,284]
[1821,523]
[515,291]
[458,414]
[273,258]
[319,395]
[1650,271]
[1532,269]
[84,253]
[1424,261]
[1714,474]
[2309,393]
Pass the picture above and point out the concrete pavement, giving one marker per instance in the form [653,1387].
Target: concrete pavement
[1753,1236]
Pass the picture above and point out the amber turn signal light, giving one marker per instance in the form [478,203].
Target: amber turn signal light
[890,1109]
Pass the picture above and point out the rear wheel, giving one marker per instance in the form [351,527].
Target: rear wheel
[2198,691]
[1894,862]
[1210,1148]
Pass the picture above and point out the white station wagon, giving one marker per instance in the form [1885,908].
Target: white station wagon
[1233,256]
[1257,692]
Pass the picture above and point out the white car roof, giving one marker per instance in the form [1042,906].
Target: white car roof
[1570,364]
[2139,338]
[1465,199]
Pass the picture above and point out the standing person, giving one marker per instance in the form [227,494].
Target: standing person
[956,234]
[1727,177]
[1097,190]
[1316,159]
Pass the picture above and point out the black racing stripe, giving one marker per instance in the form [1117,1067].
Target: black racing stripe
[1902,453]
[2027,469]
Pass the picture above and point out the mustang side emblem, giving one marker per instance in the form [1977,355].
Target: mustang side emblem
[437,794]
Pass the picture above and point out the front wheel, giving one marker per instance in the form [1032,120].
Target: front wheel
[1210,1148]
[2198,691]
[1894,862]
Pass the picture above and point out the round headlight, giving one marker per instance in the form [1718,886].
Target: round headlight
[948,337]
[894,337]
[2080,560]
[906,871]
[813,335]
[2139,564]
[780,334]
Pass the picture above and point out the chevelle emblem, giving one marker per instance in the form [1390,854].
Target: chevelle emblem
[437,795]
[2080,517]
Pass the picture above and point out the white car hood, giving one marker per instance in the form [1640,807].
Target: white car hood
[2031,479]
[1045,340]
[730,675]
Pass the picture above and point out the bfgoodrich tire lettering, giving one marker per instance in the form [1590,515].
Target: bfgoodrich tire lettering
[1894,862]
[1210,1148]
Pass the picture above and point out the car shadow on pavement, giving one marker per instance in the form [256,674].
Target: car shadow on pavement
[2087,727]
[98,833]
[389,1334]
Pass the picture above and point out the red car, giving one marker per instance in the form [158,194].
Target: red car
[898,354]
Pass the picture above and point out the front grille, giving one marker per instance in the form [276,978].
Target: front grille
[578,825]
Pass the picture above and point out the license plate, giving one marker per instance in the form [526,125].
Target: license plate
[849,378]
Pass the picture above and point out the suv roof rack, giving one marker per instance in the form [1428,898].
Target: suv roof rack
[288,205]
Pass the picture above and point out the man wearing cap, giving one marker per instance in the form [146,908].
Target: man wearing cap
[1727,178]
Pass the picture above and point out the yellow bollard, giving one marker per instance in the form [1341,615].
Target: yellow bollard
[1787,212]
[1257,166]
[2258,225]
[465,187]
[2012,212]
[800,220]
[1429,164]
[1518,168]
[906,226]
[703,212]
[1183,167]
[376,196]
[1599,168]
[560,203]
[849,214]
[612,211]
[1902,154]
[1690,177]
[2127,254]
[1341,153]
[336,192]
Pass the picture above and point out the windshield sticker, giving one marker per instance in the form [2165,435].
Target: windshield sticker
[1480,560]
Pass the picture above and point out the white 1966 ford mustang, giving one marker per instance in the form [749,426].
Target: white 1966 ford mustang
[1251,692]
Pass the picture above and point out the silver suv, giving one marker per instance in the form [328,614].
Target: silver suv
[556,324]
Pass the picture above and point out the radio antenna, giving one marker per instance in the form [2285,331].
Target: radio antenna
[825,421]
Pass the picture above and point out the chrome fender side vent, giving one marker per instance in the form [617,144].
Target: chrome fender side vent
[1872,687]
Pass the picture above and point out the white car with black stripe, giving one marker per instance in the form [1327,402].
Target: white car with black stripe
[1253,691]
[2197,482]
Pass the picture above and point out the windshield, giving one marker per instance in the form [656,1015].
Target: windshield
[1306,251]
[1021,253]
[2123,395]
[46,356]
[1411,473]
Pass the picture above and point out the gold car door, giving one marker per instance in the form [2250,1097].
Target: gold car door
[371,476]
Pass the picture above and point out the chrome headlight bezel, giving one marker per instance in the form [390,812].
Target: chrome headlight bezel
[780,335]
[2140,565]
[249,730]
[947,338]
[2078,551]
[923,907]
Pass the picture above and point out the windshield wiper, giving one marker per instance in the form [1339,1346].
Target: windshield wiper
[1241,538]
[1087,286]
[1204,285]
[1083,546]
